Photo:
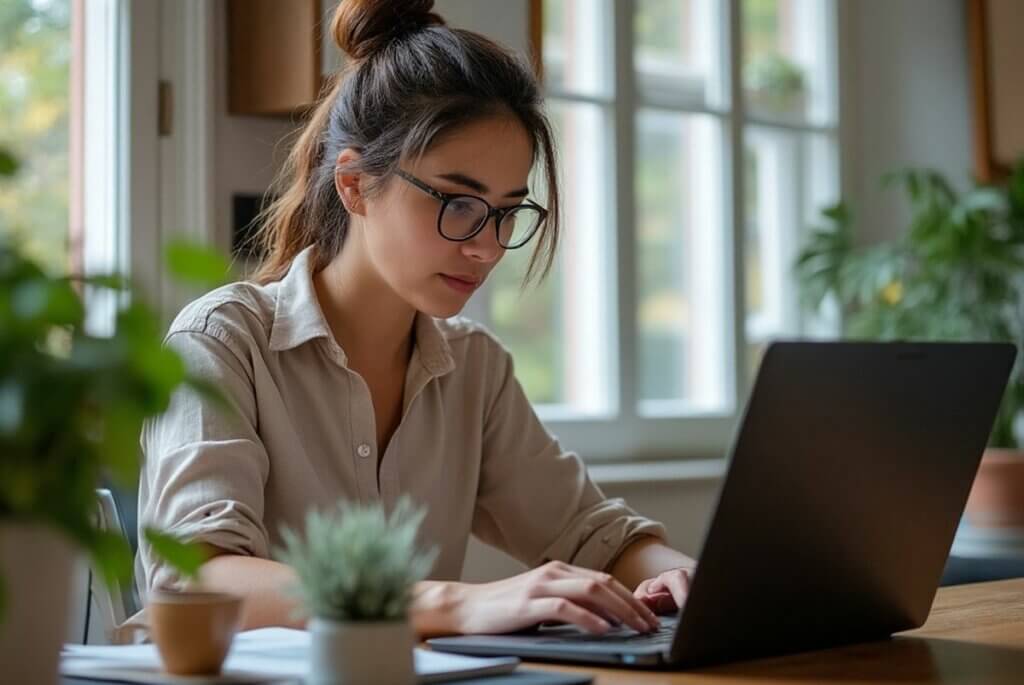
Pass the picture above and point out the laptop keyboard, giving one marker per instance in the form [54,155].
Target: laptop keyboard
[661,637]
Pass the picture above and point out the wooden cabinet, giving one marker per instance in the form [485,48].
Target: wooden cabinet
[274,55]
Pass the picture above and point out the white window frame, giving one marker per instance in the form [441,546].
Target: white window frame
[632,434]
[119,198]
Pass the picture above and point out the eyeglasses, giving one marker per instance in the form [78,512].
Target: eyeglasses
[463,216]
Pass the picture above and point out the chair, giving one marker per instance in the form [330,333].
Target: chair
[114,604]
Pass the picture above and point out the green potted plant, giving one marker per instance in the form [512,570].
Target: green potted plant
[71,408]
[774,83]
[356,567]
[954,275]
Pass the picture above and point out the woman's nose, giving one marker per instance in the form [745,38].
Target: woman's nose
[484,247]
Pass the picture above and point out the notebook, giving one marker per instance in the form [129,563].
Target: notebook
[256,656]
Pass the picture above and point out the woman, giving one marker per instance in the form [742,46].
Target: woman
[404,190]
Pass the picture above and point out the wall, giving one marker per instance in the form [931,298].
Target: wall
[248,149]
[907,100]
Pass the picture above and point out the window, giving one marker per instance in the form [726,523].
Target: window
[698,138]
[77,88]
[36,101]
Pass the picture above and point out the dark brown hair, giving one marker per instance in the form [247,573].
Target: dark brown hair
[409,79]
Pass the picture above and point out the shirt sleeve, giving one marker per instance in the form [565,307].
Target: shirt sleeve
[205,466]
[536,501]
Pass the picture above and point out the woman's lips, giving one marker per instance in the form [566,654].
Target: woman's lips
[462,284]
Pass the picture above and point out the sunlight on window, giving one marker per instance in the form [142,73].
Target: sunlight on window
[559,330]
[677,50]
[35,79]
[789,173]
[681,260]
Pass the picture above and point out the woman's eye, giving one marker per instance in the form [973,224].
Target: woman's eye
[461,206]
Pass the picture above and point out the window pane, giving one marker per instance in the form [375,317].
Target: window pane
[35,81]
[559,330]
[788,59]
[677,48]
[528,322]
[577,46]
[790,177]
[681,312]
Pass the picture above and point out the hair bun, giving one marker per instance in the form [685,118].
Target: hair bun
[362,27]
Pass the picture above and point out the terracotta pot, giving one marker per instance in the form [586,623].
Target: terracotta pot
[193,630]
[361,653]
[997,497]
[35,568]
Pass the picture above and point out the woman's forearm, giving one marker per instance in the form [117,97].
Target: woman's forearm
[646,558]
[263,583]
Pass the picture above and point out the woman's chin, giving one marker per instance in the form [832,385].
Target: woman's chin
[444,312]
[442,308]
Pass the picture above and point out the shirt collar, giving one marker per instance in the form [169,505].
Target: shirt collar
[297,314]
[298,318]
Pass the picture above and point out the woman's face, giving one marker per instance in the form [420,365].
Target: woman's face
[490,158]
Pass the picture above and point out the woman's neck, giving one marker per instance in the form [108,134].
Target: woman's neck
[369,321]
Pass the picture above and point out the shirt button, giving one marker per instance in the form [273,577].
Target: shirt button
[363,450]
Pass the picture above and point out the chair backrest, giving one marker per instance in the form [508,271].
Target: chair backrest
[115,603]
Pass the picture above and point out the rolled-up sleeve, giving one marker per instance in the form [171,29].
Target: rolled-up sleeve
[205,467]
[536,501]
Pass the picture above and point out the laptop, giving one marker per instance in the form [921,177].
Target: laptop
[847,478]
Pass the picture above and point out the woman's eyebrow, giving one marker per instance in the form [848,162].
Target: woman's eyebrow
[477,186]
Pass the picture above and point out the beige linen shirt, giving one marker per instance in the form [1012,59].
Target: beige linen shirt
[469,447]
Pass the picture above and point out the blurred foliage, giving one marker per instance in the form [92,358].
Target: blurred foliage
[34,97]
[72,404]
[186,558]
[954,275]
[656,25]
[771,78]
[774,81]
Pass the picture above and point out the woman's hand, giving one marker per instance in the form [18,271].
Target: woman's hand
[667,591]
[592,600]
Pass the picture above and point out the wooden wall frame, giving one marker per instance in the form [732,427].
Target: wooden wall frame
[537,37]
[274,56]
[996,63]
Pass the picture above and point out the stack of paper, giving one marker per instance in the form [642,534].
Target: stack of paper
[256,656]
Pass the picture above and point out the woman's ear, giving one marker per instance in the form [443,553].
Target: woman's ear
[347,183]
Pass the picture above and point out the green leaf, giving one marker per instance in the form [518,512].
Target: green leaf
[120,441]
[195,264]
[185,557]
[839,213]
[112,555]
[163,371]
[107,281]
[53,301]
[8,163]
[208,390]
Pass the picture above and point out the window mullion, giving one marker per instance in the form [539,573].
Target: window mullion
[625,207]
[736,209]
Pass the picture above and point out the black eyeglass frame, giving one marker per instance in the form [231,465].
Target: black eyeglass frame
[498,212]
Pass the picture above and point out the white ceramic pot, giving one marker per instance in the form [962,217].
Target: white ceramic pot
[35,565]
[361,653]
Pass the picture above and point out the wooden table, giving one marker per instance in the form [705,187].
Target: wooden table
[974,634]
